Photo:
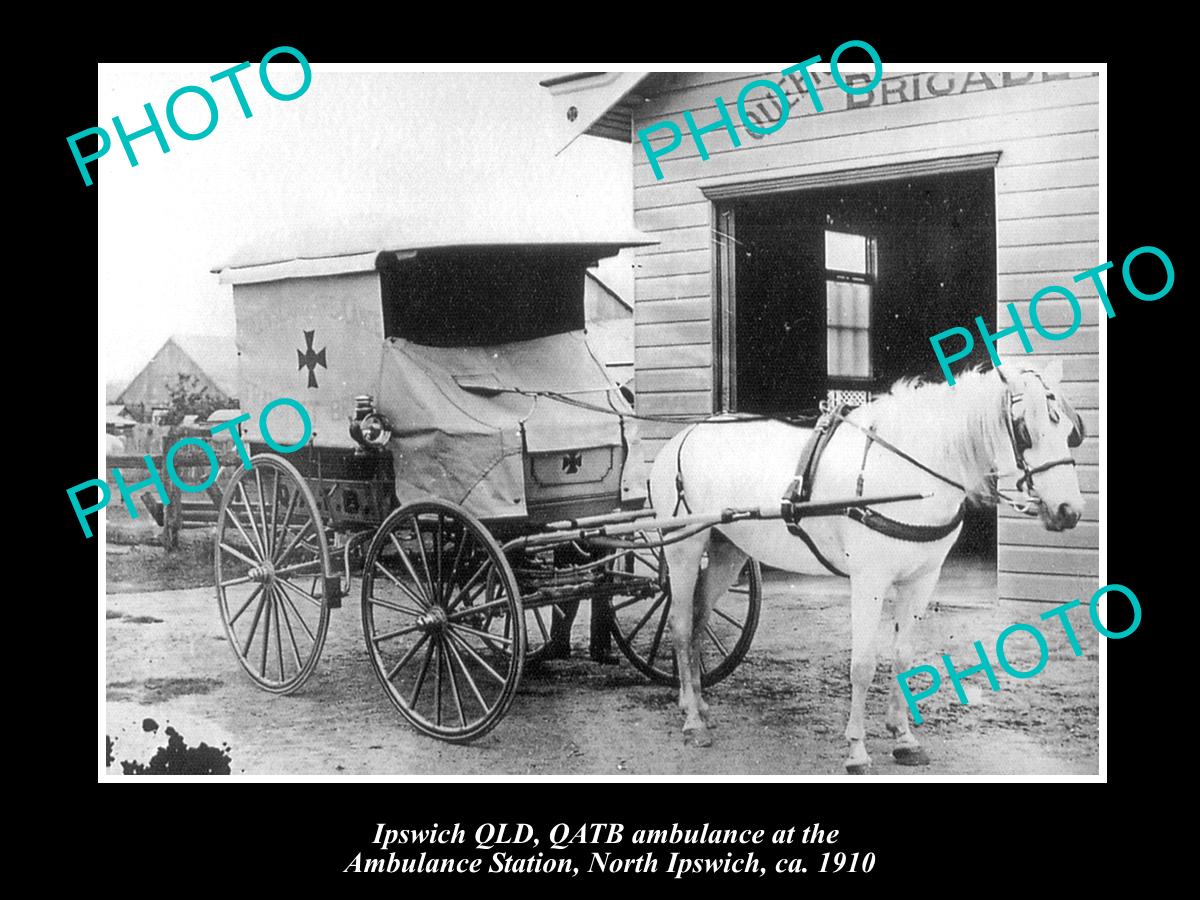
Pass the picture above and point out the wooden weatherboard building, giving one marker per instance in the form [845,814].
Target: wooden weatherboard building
[820,258]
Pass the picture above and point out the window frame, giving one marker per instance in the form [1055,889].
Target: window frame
[871,279]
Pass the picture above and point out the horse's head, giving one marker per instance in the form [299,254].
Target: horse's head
[1043,428]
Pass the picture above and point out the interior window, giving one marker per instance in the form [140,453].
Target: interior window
[850,269]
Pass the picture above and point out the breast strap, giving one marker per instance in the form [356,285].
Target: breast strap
[801,487]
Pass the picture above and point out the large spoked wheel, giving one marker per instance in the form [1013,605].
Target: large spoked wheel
[271,557]
[442,620]
[642,621]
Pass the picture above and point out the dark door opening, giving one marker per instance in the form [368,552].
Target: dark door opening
[838,290]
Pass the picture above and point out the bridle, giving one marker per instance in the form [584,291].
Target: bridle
[1018,434]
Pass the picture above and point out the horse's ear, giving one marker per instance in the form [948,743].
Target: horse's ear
[1079,431]
[1053,372]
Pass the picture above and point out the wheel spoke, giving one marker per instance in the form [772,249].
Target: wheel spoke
[658,633]
[396,581]
[453,684]
[438,683]
[303,624]
[438,558]
[278,639]
[462,542]
[454,617]
[228,584]
[242,556]
[470,583]
[484,635]
[266,641]
[391,634]
[479,659]
[249,543]
[421,677]
[292,546]
[287,620]
[262,513]
[625,603]
[412,573]
[395,607]
[274,508]
[424,559]
[646,617]
[253,627]
[537,614]
[287,519]
[467,674]
[407,656]
[249,600]
[250,518]
[712,635]
[303,593]
[288,570]
[728,618]
[651,563]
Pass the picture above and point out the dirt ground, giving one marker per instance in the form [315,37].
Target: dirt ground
[781,713]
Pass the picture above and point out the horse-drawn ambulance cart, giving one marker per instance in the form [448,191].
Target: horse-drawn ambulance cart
[470,461]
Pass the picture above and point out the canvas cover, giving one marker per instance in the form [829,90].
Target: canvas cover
[460,431]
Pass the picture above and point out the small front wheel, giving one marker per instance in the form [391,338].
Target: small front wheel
[442,619]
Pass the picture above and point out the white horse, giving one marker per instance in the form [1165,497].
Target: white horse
[988,422]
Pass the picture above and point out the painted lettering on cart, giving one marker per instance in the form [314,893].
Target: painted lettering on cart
[985,664]
[155,479]
[754,126]
[1018,327]
[155,127]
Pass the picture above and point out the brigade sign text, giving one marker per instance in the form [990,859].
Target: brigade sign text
[750,121]
[155,128]
[128,490]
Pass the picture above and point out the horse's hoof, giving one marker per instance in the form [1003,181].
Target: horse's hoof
[858,768]
[910,756]
[893,730]
[711,721]
[697,737]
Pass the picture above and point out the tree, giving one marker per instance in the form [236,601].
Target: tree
[190,397]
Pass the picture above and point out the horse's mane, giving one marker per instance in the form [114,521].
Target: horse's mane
[957,430]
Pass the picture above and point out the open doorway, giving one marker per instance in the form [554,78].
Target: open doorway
[833,292]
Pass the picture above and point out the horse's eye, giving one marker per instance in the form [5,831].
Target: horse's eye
[1054,415]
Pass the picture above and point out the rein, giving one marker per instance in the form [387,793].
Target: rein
[1026,506]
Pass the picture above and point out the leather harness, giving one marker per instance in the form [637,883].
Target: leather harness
[801,486]
[799,490]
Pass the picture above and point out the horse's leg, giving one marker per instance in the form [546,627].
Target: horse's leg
[725,561]
[683,569]
[912,599]
[866,604]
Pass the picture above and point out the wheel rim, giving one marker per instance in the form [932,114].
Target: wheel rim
[442,620]
[642,629]
[271,561]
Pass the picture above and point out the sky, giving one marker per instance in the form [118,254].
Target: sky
[452,148]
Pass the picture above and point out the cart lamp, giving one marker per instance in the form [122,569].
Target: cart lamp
[370,429]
